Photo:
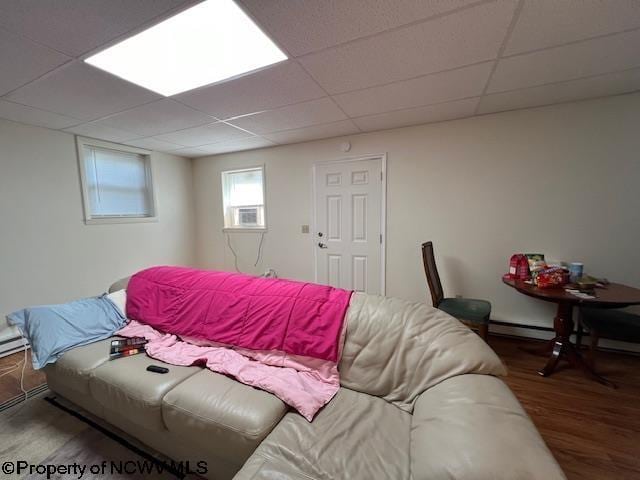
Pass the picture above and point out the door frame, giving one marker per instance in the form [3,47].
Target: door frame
[383,212]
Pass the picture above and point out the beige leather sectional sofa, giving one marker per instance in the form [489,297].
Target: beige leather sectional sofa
[420,399]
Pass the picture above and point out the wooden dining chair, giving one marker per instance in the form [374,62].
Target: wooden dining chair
[607,323]
[472,312]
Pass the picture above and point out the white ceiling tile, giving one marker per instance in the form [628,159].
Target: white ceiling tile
[591,57]
[426,90]
[323,110]
[189,152]
[305,26]
[204,135]
[77,26]
[283,84]
[547,23]
[602,85]
[471,36]
[387,64]
[236,145]
[154,144]
[34,116]
[101,132]
[416,116]
[158,117]
[22,60]
[315,132]
[81,91]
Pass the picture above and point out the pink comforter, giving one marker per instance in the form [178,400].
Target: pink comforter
[278,335]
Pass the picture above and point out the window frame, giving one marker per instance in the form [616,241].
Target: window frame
[225,229]
[89,219]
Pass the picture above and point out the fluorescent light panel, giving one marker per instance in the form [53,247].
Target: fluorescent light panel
[207,43]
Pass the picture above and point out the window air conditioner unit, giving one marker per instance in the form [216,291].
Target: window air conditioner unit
[248,216]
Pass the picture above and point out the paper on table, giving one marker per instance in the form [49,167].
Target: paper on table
[579,294]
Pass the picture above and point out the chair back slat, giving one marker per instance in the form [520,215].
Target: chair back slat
[431,271]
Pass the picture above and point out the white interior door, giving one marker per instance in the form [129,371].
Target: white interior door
[349,224]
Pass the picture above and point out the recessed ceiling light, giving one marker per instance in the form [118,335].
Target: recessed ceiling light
[209,42]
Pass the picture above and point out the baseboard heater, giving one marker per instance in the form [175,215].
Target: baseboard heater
[11,345]
[21,398]
[538,332]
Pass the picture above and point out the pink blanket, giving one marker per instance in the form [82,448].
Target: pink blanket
[278,335]
[241,310]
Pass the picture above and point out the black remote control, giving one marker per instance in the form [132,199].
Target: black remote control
[156,369]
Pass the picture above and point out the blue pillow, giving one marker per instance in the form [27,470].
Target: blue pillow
[53,329]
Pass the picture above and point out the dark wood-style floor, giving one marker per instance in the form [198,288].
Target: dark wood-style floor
[593,430]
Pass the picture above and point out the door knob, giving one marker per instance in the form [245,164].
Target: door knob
[322,245]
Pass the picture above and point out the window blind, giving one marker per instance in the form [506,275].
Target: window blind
[244,188]
[118,183]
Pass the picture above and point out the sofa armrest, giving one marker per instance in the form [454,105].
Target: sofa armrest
[473,427]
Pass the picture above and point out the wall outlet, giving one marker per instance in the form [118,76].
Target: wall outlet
[305,228]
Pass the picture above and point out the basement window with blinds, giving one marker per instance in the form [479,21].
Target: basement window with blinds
[117,185]
[243,199]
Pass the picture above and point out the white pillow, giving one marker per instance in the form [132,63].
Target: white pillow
[119,298]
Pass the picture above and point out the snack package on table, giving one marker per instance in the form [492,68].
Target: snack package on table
[552,277]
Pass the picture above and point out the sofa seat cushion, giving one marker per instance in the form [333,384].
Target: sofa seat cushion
[125,386]
[472,427]
[230,417]
[75,366]
[356,436]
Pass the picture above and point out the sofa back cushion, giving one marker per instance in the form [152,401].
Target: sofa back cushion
[396,349]
[119,285]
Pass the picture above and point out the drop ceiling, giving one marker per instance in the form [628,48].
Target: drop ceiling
[354,66]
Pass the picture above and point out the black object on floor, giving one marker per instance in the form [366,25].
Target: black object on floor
[117,438]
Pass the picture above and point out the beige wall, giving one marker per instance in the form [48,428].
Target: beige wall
[562,180]
[47,253]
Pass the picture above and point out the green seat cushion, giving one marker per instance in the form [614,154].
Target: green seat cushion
[470,309]
[613,324]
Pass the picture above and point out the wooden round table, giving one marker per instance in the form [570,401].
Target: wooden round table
[613,295]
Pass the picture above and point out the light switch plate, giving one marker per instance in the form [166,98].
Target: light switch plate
[305,228]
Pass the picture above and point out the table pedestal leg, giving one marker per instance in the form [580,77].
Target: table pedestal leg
[561,346]
[558,349]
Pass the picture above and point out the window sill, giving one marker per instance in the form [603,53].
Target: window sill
[244,230]
[114,220]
